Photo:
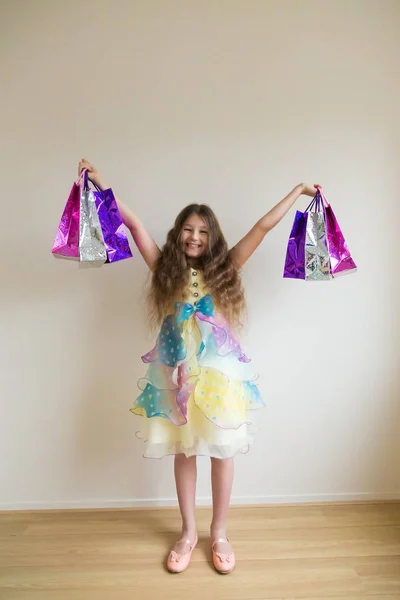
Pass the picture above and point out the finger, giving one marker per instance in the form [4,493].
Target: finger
[83,167]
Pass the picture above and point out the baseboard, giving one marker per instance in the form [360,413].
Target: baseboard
[104,503]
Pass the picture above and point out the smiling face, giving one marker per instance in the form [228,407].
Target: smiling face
[194,236]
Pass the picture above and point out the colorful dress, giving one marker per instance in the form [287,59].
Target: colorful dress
[199,387]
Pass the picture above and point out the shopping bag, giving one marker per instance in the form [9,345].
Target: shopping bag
[66,243]
[295,254]
[339,254]
[316,246]
[115,238]
[92,249]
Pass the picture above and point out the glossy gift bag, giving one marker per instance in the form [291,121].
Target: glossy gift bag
[295,255]
[339,253]
[92,249]
[316,246]
[115,238]
[66,244]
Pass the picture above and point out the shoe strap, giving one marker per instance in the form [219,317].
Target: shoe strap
[221,541]
[188,542]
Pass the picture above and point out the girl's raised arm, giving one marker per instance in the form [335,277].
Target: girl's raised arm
[247,245]
[143,240]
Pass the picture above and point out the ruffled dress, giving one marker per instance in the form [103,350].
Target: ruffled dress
[199,387]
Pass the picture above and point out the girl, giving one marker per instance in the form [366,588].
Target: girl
[198,387]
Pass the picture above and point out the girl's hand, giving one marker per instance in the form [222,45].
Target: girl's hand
[309,191]
[93,174]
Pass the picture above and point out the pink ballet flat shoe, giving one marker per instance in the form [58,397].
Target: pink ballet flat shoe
[224,562]
[177,562]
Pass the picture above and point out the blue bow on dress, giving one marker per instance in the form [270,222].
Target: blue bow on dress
[184,310]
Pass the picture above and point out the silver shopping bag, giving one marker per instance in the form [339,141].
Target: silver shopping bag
[92,249]
[317,262]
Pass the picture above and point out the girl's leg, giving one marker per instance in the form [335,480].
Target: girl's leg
[221,480]
[185,479]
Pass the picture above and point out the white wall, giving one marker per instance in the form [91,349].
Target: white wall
[232,103]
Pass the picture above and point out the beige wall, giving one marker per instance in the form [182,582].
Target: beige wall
[231,103]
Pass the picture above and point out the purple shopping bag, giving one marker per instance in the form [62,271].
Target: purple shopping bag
[339,253]
[115,238]
[66,244]
[295,254]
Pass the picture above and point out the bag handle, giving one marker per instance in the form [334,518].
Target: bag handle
[97,187]
[86,180]
[323,197]
[84,177]
[81,177]
[318,202]
[314,204]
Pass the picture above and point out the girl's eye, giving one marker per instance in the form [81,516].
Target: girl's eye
[186,229]
[203,231]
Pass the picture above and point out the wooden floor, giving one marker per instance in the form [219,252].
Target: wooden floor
[343,551]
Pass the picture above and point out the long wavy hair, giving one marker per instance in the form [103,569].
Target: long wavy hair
[221,276]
